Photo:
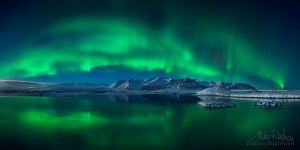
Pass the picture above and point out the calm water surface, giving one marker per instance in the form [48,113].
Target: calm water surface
[140,121]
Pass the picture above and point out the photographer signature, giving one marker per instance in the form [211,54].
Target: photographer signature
[271,137]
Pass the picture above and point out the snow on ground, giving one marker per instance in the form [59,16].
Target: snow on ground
[214,91]
[267,94]
[274,94]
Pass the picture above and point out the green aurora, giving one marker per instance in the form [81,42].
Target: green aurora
[230,41]
[82,44]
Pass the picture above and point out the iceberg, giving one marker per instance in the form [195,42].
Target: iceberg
[217,103]
[214,91]
[268,103]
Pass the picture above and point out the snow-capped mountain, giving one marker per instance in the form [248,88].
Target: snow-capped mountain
[152,84]
[129,84]
[117,84]
[184,84]
[164,83]
[16,86]
[157,83]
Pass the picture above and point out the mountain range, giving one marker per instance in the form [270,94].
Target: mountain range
[163,84]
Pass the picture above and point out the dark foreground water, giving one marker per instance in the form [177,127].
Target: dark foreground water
[142,122]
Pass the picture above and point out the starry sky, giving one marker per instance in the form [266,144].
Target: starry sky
[102,41]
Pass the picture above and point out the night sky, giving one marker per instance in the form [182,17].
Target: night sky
[103,41]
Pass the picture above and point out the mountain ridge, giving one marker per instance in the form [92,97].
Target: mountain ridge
[165,83]
[152,84]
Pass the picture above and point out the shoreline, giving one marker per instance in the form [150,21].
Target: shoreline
[262,94]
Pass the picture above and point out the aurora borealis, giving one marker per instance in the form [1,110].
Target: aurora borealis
[248,41]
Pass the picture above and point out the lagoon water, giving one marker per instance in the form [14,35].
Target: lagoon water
[142,122]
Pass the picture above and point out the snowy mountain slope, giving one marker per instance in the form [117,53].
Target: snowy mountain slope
[15,86]
[184,84]
[157,83]
[169,84]
[129,84]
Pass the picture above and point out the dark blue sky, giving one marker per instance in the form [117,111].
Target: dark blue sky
[246,41]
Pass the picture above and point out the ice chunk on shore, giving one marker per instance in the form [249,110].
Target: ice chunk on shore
[214,91]
[269,103]
[276,94]
[217,103]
